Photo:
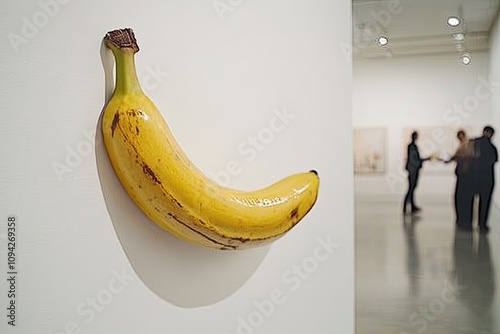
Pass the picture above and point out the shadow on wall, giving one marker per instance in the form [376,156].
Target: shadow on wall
[177,271]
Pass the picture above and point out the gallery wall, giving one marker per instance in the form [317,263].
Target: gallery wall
[494,66]
[434,94]
[253,91]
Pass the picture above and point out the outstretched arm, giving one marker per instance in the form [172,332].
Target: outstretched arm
[453,158]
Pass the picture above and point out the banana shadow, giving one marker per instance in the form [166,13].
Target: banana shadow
[183,274]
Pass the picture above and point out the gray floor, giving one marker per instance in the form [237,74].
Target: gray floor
[418,275]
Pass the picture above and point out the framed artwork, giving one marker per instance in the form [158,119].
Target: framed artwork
[369,146]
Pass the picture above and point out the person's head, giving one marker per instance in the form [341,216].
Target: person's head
[414,136]
[461,135]
[488,131]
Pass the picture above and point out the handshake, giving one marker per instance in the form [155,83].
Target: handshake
[436,157]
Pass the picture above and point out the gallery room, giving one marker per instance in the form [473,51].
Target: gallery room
[240,167]
[431,68]
[155,156]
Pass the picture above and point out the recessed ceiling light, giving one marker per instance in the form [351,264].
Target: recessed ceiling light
[382,41]
[465,58]
[453,21]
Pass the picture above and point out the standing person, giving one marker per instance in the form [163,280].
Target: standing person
[413,165]
[464,193]
[486,156]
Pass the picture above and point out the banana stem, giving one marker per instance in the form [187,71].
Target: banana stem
[124,46]
[126,76]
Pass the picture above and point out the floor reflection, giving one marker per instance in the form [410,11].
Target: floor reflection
[474,278]
[417,274]
[412,255]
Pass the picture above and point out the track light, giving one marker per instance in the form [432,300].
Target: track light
[458,37]
[382,41]
[465,58]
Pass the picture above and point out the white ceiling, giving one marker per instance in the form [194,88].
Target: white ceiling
[419,26]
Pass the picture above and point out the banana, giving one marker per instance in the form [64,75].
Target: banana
[175,194]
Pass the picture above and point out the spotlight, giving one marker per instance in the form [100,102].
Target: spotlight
[458,37]
[453,21]
[465,58]
[382,41]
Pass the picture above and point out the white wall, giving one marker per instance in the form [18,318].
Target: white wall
[495,101]
[417,92]
[217,80]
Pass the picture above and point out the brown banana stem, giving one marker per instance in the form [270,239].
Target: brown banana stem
[122,38]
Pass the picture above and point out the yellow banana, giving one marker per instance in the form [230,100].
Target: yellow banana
[174,193]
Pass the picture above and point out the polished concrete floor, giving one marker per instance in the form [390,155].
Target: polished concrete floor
[416,274]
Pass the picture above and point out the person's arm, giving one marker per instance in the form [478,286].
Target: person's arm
[464,151]
[454,157]
[424,159]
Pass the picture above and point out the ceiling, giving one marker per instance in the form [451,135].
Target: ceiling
[417,27]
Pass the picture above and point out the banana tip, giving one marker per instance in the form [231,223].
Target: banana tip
[313,171]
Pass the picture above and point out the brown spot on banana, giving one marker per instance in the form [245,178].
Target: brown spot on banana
[221,242]
[114,124]
[177,202]
[148,171]
[242,240]
[222,246]
[294,214]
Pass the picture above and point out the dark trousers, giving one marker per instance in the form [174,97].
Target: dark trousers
[484,191]
[464,200]
[410,194]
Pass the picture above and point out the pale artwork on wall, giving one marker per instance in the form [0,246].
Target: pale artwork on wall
[437,142]
[369,145]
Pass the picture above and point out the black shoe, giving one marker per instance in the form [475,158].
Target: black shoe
[484,229]
[416,210]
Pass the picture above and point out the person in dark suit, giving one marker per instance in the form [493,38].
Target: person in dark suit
[485,157]
[464,193]
[413,165]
